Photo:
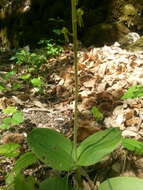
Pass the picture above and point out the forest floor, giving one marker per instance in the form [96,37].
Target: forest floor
[105,74]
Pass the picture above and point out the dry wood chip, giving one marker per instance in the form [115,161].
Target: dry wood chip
[132,122]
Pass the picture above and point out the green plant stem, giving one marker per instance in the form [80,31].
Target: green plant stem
[74,29]
[78,178]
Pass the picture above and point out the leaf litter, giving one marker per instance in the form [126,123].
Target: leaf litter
[105,74]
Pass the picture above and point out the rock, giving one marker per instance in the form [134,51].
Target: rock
[136,46]
[128,39]
[104,33]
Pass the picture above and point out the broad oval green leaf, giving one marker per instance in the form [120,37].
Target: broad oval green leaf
[122,183]
[22,183]
[97,146]
[55,183]
[52,148]
[23,162]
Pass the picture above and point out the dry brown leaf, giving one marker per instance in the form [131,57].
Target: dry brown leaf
[13,138]
[90,83]
[84,77]
[101,87]
[81,66]
[5,102]
[89,102]
[121,68]
[129,173]
[129,114]
[102,69]
[132,122]
[88,185]
[86,128]
[17,100]
[128,133]
[137,105]
[39,104]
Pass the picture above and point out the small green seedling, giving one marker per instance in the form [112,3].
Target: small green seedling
[7,78]
[37,82]
[15,119]
[97,114]
[9,75]
[25,76]
[133,92]
[51,49]
[21,56]
[32,60]
[16,86]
